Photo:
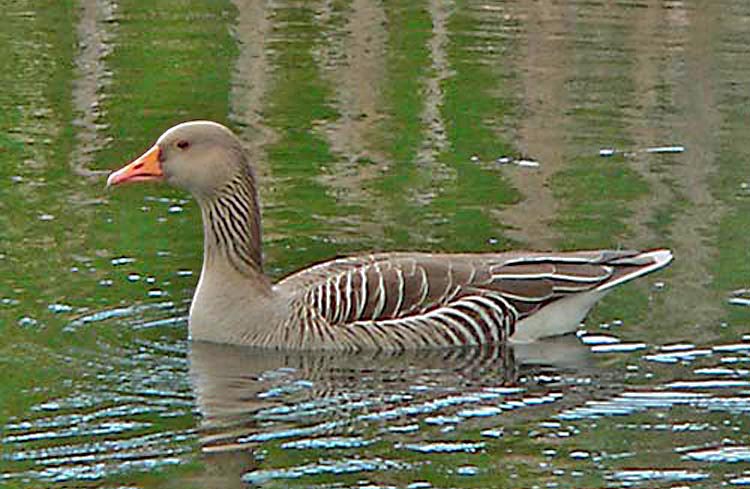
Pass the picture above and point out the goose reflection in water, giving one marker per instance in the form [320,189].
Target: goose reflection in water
[248,396]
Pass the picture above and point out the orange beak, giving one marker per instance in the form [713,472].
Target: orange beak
[146,167]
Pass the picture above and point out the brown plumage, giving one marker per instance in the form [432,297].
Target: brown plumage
[382,301]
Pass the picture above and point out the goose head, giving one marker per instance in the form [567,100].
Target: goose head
[198,156]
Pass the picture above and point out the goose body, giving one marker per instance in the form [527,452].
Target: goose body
[389,301]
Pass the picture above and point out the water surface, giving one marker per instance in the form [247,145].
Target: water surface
[452,126]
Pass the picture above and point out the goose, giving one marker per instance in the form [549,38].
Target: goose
[383,301]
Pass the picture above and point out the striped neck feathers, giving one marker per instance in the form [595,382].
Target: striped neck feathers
[231,226]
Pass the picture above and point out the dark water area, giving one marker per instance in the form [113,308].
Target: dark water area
[451,126]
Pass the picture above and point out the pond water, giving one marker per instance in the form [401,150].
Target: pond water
[398,125]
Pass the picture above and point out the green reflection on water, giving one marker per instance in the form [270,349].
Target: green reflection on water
[408,31]
[478,101]
[730,184]
[299,102]
[35,140]
[442,200]
[596,192]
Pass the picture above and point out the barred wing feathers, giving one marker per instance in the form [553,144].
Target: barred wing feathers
[408,300]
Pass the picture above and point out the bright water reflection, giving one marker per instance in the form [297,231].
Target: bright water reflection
[376,125]
[552,412]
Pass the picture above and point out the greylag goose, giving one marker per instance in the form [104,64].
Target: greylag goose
[388,301]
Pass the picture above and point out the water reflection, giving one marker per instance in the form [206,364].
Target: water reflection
[333,402]
[258,415]
[336,409]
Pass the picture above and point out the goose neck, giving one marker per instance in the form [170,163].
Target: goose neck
[232,229]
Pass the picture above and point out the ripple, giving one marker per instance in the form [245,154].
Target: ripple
[327,443]
[59,308]
[292,432]
[106,428]
[493,433]
[672,356]
[430,406]
[632,402]
[79,419]
[158,323]
[722,371]
[481,412]
[332,467]
[322,406]
[419,485]
[119,312]
[116,420]
[442,420]
[732,348]
[659,475]
[707,384]
[103,449]
[96,471]
[444,447]
[618,348]
[409,428]
[467,470]
[677,347]
[295,386]
[599,339]
[731,454]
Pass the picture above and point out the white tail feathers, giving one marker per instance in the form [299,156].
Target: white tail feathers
[648,261]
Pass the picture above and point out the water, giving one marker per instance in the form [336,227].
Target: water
[449,126]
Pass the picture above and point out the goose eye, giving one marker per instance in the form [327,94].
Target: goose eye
[182,144]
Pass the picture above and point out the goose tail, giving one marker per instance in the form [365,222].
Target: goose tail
[632,267]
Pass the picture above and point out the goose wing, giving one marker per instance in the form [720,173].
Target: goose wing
[408,300]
